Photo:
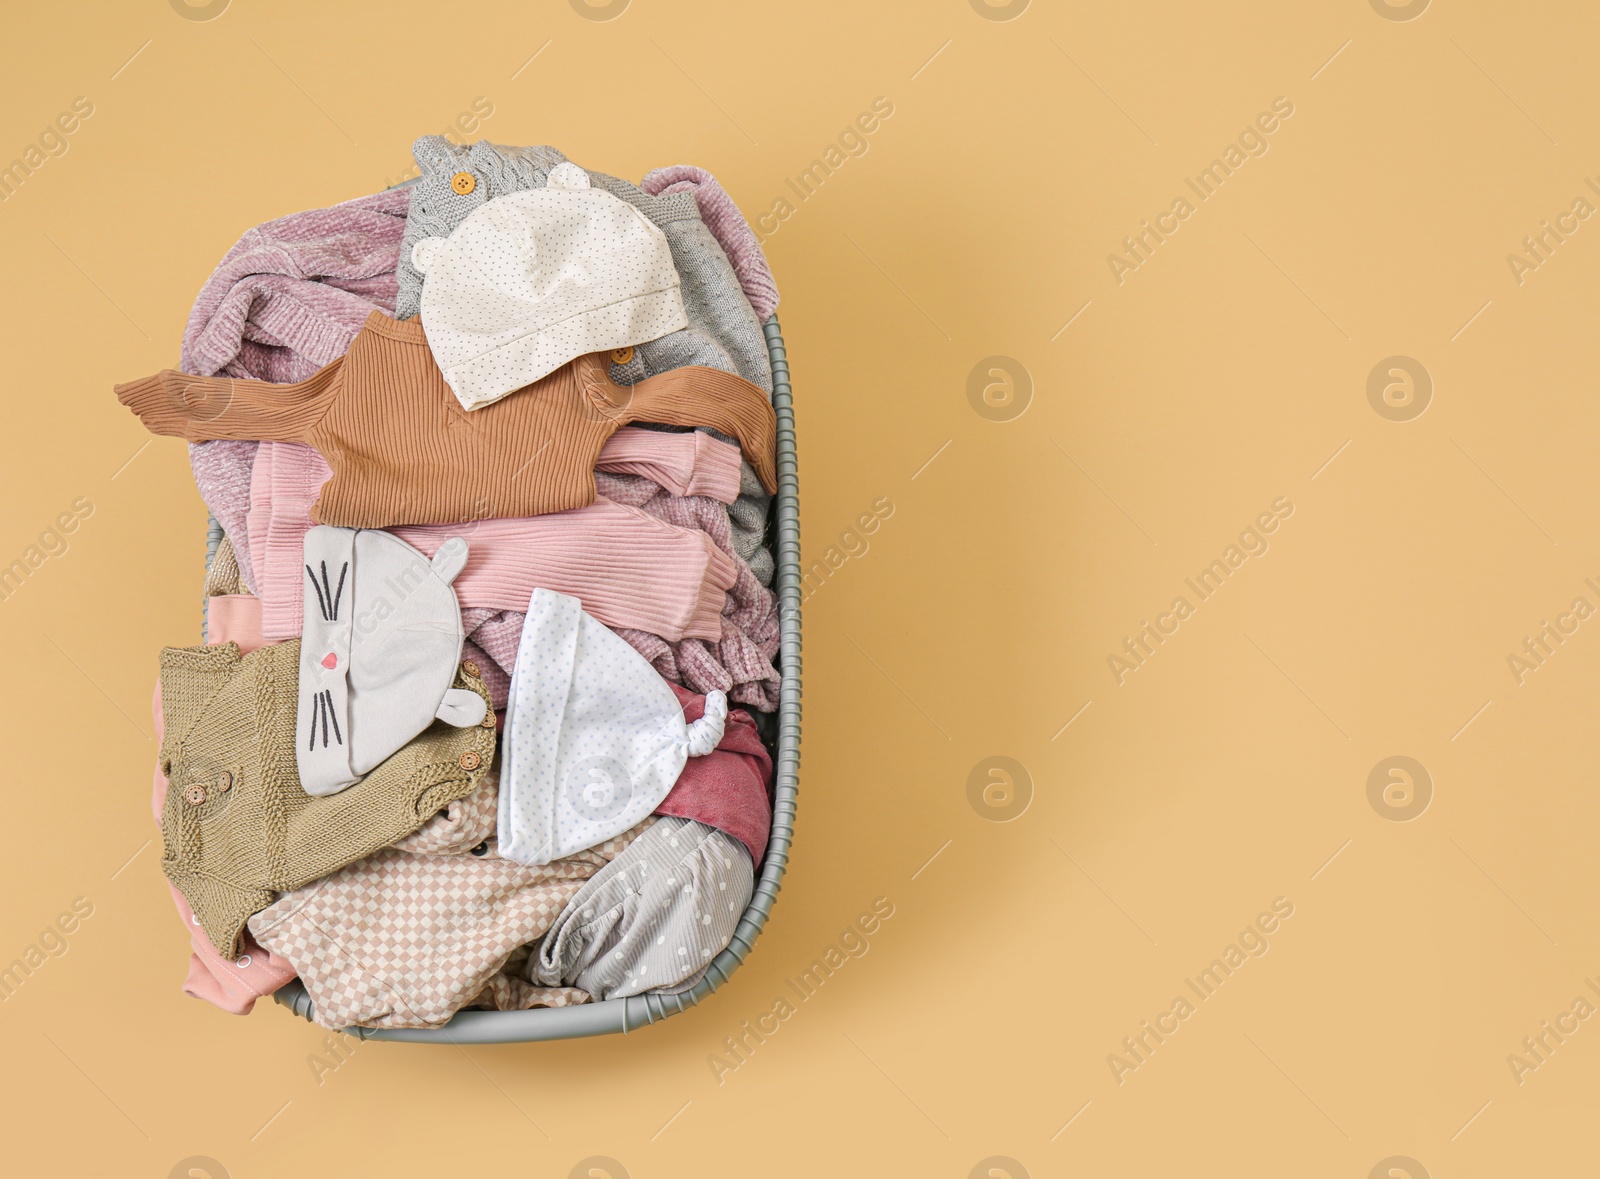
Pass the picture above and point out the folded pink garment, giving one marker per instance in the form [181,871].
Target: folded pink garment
[237,618]
[287,477]
[231,984]
[693,463]
[727,225]
[285,300]
[739,663]
[626,566]
[623,564]
[727,788]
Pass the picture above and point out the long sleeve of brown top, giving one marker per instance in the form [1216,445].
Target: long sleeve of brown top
[203,409]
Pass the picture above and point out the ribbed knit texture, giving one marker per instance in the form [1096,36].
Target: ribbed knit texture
[739,663]
[624,561]
[727,225]
[627,567]
[685,464]
[404,452]
[231,851]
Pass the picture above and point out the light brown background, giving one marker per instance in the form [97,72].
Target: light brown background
[1230,770]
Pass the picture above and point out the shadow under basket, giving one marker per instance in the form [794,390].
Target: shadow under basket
[625,1015]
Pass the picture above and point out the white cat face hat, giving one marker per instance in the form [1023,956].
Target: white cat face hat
[532,279]
[594,737]
[378,654]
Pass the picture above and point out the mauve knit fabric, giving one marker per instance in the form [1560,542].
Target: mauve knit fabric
[285,300]
[727,225]
[739,664]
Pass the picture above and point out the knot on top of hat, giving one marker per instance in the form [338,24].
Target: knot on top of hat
[594,737]
[705,734]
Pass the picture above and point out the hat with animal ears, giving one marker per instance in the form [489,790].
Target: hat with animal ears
[378,654]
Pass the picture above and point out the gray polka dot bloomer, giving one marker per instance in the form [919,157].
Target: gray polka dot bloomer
[652,918]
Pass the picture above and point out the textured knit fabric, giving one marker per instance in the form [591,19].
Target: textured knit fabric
[233,984]
[405,940]
[627,567]
[222,476]
[536,278]
[494,634]
[727,225]
[652,918]
[286,299]
[437,208]
[694,463]
[236,826]
[222,574]
[681,349]
[460,826]
[740,663]
[381,645]
[747,511]
[624,565]
[713,298]
[403,452]
[594,738]
[729,787]
[747,518]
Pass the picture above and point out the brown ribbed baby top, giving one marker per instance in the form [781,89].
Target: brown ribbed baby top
[403,451]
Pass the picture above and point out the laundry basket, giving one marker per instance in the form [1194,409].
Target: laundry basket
[624,1015]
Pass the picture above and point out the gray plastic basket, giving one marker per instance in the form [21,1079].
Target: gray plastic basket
[625,1015]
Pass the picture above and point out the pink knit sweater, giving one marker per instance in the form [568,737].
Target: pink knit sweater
[628,568]
[739,662]
[284,301]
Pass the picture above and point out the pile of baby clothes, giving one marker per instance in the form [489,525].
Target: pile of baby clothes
[492,455]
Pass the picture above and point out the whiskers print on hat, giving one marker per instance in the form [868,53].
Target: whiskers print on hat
[323,703]
[328,599]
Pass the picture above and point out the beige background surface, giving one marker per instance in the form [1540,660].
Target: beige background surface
[1166,412]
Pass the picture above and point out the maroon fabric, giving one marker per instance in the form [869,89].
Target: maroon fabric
[727,788]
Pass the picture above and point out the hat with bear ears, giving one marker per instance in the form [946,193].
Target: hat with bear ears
[535,278]
[438,205]
[379,651]
[594,737]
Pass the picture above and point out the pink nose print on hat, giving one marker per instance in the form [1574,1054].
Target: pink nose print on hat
[330,661]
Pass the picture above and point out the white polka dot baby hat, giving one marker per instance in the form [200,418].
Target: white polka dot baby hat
[532,279]
[594,737]
[378,653]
